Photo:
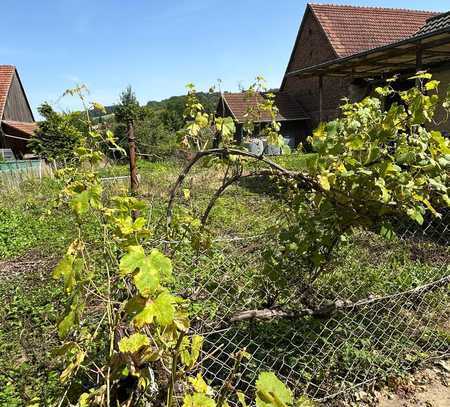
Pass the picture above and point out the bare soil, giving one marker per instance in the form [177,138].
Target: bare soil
[31,262]
[429,388]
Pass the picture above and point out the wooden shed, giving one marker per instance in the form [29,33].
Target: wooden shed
[16,117]
[369,46]
[341,51]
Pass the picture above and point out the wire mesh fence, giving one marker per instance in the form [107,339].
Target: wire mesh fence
[384,310]
[385,304]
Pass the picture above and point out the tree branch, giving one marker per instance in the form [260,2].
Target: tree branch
[307,181]
[326,311]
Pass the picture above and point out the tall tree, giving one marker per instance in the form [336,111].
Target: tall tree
[127,112]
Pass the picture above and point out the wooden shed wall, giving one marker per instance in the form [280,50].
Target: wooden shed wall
[16,107]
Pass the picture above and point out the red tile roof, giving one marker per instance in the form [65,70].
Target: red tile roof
[6,77]
[353,29]
[241,103]
[26,129]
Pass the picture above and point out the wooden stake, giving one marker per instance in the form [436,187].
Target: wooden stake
[134,182]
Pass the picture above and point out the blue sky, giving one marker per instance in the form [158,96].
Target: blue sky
[155,46]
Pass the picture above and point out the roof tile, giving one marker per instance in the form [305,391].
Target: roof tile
[22,127]
[6,77]
[436,23]
[353,29]
[241,103]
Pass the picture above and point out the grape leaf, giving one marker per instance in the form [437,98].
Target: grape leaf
[271,391]
[133,343]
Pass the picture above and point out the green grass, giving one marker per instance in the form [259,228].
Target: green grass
[27,337]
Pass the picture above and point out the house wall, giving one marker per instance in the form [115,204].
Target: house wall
[16,107]
[312,47]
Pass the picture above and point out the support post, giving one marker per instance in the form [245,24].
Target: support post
[134,182]
[320,98]
[419,53]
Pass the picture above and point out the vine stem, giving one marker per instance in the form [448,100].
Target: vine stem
[173,378]
[228,385]
[309,182]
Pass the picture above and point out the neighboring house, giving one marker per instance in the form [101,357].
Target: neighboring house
[243,107]
[344,51]
[16,117]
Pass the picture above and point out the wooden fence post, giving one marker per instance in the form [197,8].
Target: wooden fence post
[134,182]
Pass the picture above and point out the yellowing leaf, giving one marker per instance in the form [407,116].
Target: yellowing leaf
[191,352]
[198,400]
[415,214]
[145,316]
[272,392]
[160,311]
[67,323]
[199,384]
[241,398]
[133,343]
[80,202]
[132,260]
[186,194]
[431,85]
[164,308]
[162,263]
[324,182]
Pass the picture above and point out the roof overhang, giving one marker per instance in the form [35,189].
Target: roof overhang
[433,48]
[19,130]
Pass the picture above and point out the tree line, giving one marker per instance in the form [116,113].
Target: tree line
[156,125]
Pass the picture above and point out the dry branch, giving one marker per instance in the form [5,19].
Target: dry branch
[328,310]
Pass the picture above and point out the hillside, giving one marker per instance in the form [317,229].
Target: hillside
[173,105]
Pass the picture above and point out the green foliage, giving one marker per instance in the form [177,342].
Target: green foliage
[364,168]
[127,111]
[58,135]
[27,337]
[171,110]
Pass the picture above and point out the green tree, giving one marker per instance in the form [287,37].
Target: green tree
[153,137]
[58,135]
[127,112]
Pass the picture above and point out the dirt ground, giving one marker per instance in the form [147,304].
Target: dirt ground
[428,388]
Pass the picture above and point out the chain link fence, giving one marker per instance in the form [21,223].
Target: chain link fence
[387,308]
[384,304]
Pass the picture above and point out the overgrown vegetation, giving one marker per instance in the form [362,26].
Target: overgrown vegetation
[130,328]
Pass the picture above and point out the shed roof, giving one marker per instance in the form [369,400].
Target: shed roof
[351,29]
[240,104]
[25,129]
[6,77]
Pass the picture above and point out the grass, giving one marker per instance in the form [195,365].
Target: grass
[223,278]
[27,335]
